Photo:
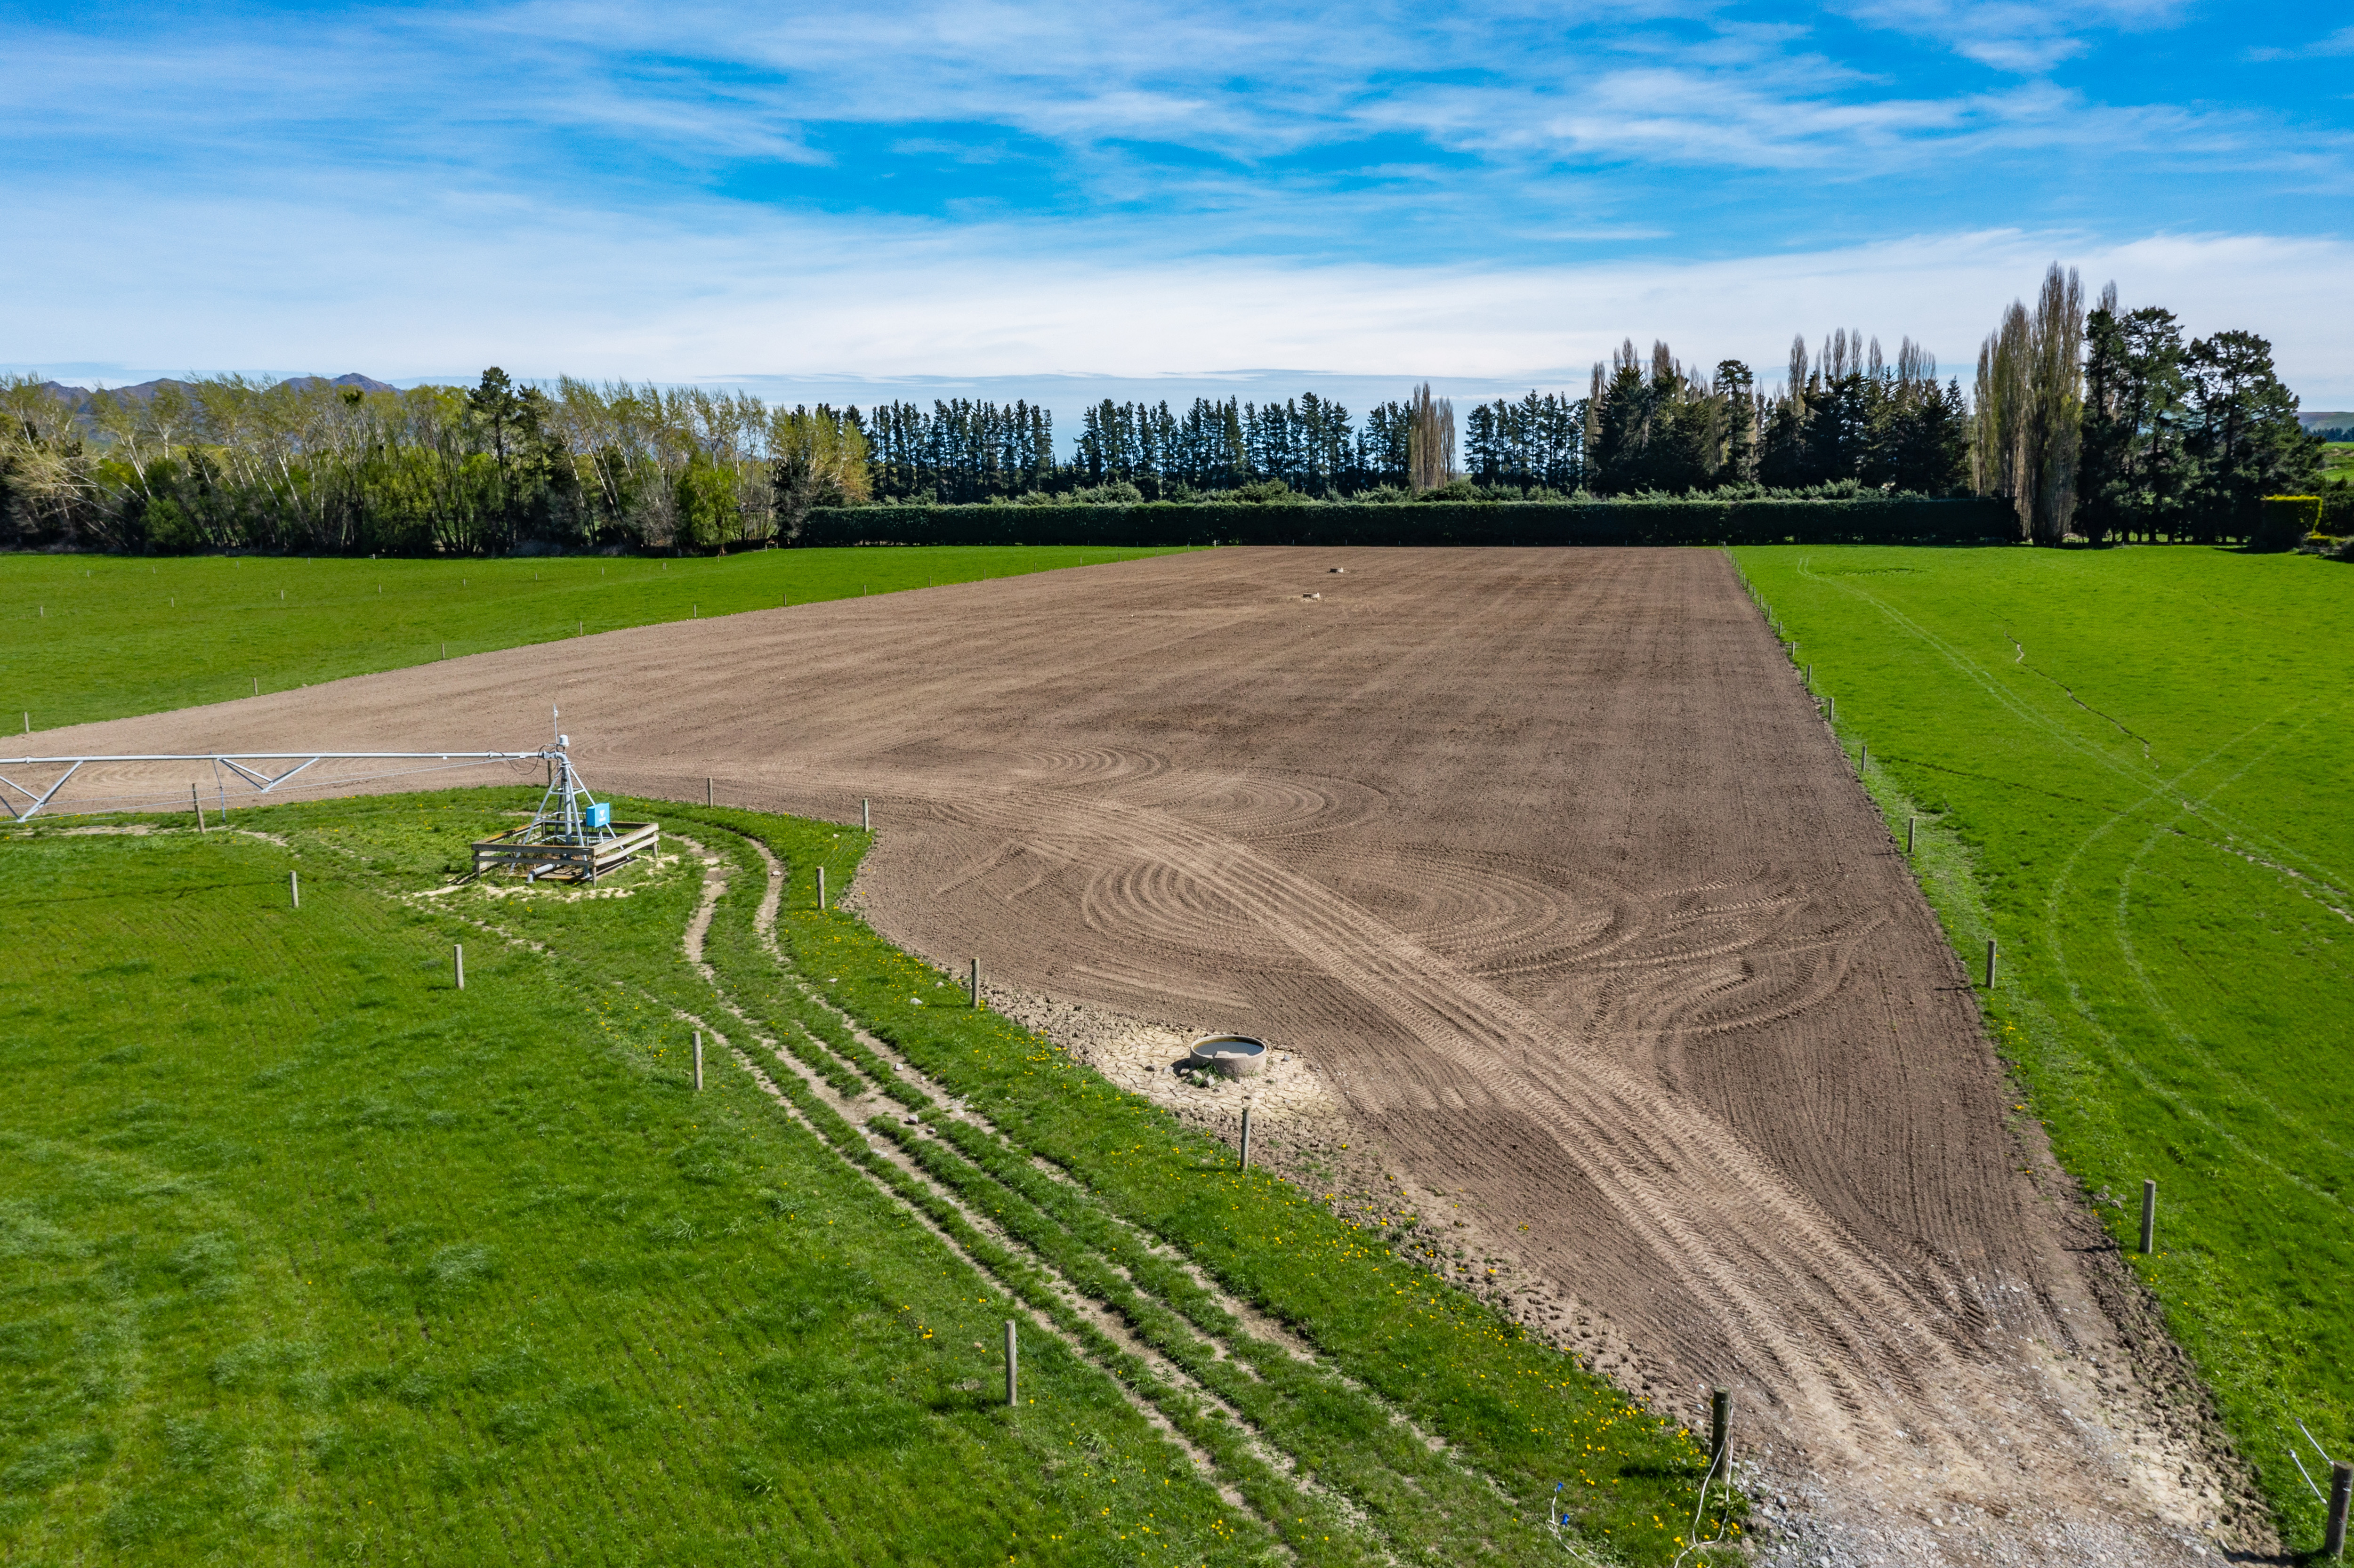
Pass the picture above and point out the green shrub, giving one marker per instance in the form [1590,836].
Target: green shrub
[2286,520]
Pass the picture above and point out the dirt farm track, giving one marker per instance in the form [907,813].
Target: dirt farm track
[1544,865]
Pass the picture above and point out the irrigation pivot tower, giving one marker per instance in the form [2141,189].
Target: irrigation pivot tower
[572,834]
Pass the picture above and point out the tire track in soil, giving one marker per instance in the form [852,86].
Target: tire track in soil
[1751,1123]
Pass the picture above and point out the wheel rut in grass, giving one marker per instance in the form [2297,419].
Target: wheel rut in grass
[857,1110]
[1247,1333]
[1179,1313]
[1158,1388]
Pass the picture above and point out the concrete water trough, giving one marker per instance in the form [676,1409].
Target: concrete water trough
[1235,1055]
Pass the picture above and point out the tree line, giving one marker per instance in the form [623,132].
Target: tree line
[225,463]
[2107,424]
[2104,423]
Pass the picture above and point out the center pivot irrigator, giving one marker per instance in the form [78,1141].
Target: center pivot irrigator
[572,836]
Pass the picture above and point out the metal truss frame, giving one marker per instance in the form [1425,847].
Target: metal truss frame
[259,769]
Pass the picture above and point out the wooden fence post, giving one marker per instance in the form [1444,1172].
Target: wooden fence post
[2341,1486]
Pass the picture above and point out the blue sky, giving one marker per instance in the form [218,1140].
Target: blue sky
[1067,198]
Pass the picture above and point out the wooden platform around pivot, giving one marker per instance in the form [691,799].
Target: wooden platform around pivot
[577,863]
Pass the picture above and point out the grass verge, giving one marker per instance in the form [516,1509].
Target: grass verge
[2129,768]
[98,636]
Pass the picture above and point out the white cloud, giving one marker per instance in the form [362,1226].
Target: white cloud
[2019,36]
[2341,42]
[412,191]
[433,290]
[497,91]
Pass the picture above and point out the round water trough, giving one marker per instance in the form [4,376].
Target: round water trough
[1235,1055]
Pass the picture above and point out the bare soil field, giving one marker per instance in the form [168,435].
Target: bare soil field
[1563,905]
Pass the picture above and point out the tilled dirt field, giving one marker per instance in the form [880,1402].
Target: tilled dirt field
[1567,910]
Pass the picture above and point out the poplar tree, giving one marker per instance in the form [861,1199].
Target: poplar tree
[2056,405]
[1430,434]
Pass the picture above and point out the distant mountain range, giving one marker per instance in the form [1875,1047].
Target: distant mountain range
[2325,419]
[80,397]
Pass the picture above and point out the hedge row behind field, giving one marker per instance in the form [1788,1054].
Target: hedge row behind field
[1695,521]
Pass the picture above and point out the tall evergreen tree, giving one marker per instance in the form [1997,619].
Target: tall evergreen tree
[1736,395]
[1619,428]
[2134,471]
[2244,434]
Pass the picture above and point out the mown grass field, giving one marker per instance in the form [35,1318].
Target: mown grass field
[307,1255]
[2337,463]
[2131,769]
[99,637]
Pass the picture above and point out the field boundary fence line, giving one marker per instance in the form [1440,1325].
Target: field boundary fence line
[174,798]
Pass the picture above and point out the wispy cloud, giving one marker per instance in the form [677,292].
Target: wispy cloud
[989,188]
[2338,43]
[2017,35]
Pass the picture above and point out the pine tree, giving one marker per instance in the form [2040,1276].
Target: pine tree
[2133,472]
[2244,435]
[1736,399]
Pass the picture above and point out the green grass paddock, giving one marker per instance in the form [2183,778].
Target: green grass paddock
[2131,769]
[307,1255]
[99,637]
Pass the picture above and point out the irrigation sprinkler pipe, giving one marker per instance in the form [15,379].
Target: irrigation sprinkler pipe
[261,779]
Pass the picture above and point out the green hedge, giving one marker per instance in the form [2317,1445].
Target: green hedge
[1695,521]
[2287,520]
